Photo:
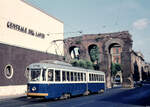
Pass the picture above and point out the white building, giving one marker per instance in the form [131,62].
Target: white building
[26,36]
[25,26]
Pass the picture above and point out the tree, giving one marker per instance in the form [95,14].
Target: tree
[82,63]
[95,58]
[115,67]
[94,54]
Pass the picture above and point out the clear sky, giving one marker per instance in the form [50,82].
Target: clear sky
[103,16]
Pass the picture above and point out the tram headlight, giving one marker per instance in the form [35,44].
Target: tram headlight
[33,88]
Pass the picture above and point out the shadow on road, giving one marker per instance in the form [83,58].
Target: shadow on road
[137,96]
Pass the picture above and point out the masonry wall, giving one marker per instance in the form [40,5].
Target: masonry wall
[19,58]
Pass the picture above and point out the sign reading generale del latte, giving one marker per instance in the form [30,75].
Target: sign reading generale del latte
[25,30]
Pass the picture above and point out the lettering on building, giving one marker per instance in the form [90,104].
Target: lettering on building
[25,30]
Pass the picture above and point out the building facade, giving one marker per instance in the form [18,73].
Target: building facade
[113,48]
[27,35]
[140,67]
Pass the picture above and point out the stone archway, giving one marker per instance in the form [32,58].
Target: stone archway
[110,44]
[105,42]
[125,57]
[115,50]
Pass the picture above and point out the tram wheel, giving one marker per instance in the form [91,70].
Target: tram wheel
[86,93]
[65,96]
[100,91]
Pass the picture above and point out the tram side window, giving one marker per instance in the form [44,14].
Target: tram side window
[93,77]
[44,75]
[68,76]
[90,77]
[81,76]
[71,76]
[50,75]
[99,78]
[84,77]
[102,77]
[96,77]
[78,76]
[75,75]
[57,75]
[63,75]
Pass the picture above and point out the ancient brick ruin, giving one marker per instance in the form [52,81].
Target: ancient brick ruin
[104,42]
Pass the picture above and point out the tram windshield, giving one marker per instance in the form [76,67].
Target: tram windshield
[37,75]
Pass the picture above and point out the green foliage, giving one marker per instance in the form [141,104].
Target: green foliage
[115,67]
[82,63]
[89,64]
[75,62]
[94,54]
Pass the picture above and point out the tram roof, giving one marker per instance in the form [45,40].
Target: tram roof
[68,67]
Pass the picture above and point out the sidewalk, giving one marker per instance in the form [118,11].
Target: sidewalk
[13,91]
[12,96]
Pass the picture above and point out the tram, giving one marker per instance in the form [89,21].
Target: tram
[52,79]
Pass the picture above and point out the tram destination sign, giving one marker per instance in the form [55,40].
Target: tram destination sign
[25,30]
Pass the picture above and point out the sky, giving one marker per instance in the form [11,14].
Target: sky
[103,16]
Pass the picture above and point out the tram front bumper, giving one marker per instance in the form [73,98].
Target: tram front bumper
[37,94]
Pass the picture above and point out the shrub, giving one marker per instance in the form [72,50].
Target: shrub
[82,63]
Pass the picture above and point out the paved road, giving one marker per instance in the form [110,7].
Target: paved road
[116,97]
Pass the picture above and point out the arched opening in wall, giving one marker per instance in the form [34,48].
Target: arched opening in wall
[74,52]
[94,54]
[136,75]
[117,79]
[115,60]
[144,74]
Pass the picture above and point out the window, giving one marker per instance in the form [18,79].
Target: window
[35,74]
[99,78]
[72,76]
[50,74]
[75,76]
[96,77]
[102,77]
[63,75]
[84,77]
[44,75]
[57,75]
[78,76]
[81,76]
[8,71]
[90,77]
[68,76]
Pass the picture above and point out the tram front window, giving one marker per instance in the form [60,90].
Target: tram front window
[35,74]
